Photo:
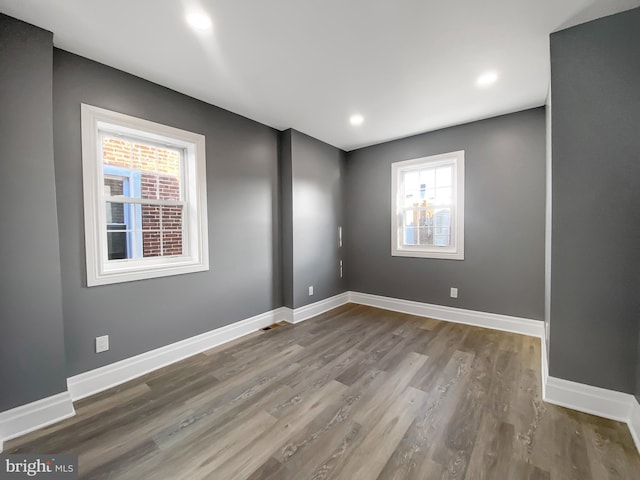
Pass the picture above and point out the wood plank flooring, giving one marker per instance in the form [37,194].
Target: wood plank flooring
[356,393]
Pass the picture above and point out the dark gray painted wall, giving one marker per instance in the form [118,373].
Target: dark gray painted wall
[242,191]
[503,269]
[286,216]
[316,206]
[595,304]
[637,392]
[31,332]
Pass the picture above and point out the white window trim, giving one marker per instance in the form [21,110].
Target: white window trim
[456,251]
[101,271]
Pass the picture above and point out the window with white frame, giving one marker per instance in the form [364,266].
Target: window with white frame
[145,203]
[428,207]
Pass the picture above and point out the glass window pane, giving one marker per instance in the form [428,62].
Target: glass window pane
[115,213]
[427,177]
[171,217]
[411,199]
[411,181]
[424,236]
[122,220]
[153,171]
[430,196]
[116,151]
[151,244]
[409,219]
[148,185]
[118,181]
[442,218]
[410,235]
[443,176]
[442,228]
[150,217]
[411,192]
[169,162]
[117,245]
[442,240]
[162,230]
[443,196]
[169,188]
[143,157]
[171,242]
[113,185]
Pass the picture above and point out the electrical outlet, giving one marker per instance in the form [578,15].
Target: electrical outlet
[454,292]
[340,268]
[339,236]
[102,343]
[311,290]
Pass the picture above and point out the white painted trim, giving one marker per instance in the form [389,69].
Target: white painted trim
[32,416]
[103,378]
[548,221]
[285,315]
[495,321]
[544,360]
[589,399]
[195,258]
[453,252]
[601,402]
[634,424]
[309,311]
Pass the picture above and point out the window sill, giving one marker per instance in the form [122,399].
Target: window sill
[425,254]
[144,273]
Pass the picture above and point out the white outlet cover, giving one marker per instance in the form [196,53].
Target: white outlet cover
[454,292]
[311,290]
[102,343]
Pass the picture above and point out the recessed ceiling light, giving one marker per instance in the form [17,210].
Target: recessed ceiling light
[199,21]
[356,119]
[486,79]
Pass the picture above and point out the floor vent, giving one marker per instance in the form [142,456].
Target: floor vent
[272,326]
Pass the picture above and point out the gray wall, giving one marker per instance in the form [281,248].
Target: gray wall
[313,174]
[595,304]
[503,269]
[637,392]
[286,215]
[547,225]
[31,332]
[242,191]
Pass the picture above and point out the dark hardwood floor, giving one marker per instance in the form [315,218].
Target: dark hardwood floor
[356,393]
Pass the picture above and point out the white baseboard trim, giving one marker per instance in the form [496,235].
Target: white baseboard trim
[313,309]
[601,402]
[32,416]
[589,399]
[103,378]
[544,368]
[495,321]
[634,424]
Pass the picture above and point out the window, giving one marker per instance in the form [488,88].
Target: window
[428,207]
[145,204]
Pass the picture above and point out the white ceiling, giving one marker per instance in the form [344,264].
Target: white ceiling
[407,66]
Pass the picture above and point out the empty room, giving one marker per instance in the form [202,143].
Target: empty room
[358,239]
